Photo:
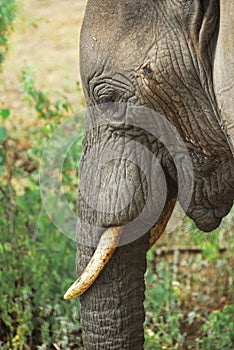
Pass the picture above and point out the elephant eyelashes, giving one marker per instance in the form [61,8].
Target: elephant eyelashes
[108,99]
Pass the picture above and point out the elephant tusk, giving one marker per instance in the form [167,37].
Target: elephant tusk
[160,226]
[105,249]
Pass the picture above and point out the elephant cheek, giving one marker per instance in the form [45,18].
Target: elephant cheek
[213,195]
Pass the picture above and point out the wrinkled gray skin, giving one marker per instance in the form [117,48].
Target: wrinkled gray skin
[160,54]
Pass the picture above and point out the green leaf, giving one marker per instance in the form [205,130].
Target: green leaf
[3,133]
[5,113]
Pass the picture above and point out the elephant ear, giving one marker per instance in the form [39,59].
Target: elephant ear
[202,24]
[224,66]
[209,24]
[214,187]
[201,21]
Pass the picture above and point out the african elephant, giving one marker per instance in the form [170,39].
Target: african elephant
[159,55]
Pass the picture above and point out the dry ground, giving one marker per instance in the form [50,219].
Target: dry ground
[46,38]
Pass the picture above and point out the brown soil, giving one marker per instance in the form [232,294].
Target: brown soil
[46,38]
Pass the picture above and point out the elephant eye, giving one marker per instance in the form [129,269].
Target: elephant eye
[112,107]
[108,99]
[111,90]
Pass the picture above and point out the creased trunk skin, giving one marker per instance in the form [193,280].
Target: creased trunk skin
[112,312]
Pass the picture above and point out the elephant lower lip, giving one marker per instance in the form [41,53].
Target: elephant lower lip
[213,192]
[208,220]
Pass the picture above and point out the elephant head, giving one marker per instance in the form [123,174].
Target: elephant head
[147,70]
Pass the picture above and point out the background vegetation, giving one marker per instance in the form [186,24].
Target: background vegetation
[7,15]
[189,298]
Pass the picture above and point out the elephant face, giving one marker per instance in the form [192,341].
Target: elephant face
[157,54]
[147,73]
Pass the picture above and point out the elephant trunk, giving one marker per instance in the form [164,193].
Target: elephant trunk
[111,194]
[112,312]
[117,195]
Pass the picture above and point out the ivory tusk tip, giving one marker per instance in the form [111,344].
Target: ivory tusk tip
[67,296]
[72,292]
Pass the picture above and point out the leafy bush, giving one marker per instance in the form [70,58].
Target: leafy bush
[44,107]
[35,275]
[218,332]
[162,325]
[183,289]
[37,262]
[7,15]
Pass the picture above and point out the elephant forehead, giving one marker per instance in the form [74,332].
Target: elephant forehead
[102,13]
[126,34]
[117,32]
